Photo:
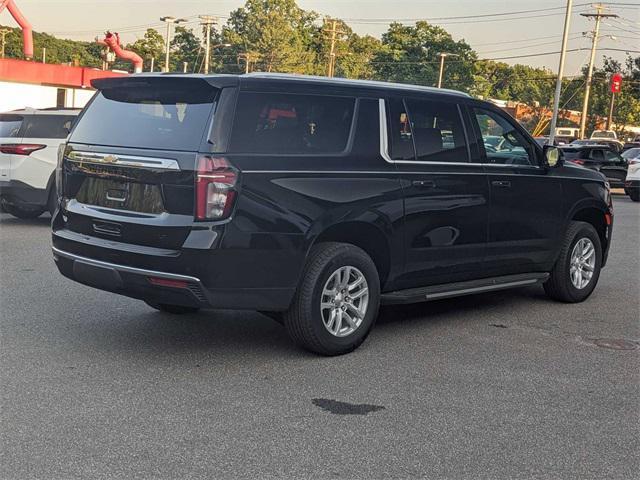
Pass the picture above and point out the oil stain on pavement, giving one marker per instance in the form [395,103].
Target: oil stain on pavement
[344,408]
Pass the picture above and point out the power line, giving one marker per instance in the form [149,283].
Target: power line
[577,37]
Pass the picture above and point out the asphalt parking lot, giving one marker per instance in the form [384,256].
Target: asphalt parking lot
[497,386]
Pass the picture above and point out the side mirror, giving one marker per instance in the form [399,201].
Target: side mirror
[552,156]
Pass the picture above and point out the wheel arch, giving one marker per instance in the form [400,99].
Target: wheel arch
[595,216]
[364,235]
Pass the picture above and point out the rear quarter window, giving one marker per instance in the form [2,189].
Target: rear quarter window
[272,123]
[10,125]
[47,126]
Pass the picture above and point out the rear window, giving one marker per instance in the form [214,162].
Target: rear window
[291,124]
[167,115]
[10,125]
[47,126]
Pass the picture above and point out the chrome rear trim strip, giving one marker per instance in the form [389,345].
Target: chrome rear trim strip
[123,160]
[125,268]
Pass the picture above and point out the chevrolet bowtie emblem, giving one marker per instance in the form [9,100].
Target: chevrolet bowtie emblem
[110,159]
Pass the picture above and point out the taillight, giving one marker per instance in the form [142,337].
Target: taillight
[215,188]
[21,148]
[59,188]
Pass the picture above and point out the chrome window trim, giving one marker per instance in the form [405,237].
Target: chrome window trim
[122,160]
[398,172]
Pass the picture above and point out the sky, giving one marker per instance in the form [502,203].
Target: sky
[492,37]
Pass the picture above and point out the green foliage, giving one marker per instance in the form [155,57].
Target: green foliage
[148,47]
[186,47]
[57,50]
[410,54]
[627,103]
[277,32]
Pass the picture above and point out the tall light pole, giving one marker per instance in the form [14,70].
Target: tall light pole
[442,56]
[169,21]
[563,53]
[594,46]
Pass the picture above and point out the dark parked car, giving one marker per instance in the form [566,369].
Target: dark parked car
[614,145]
[600,158]
[317,200]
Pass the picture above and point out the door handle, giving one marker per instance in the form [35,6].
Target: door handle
[424,183]
[501,183]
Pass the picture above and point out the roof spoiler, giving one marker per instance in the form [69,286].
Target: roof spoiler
[151,80]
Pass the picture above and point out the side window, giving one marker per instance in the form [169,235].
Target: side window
[610,156]
[10,125]
[438,133]
[597,155]
[400,139]
[503,144]
[48,126]
[291,123]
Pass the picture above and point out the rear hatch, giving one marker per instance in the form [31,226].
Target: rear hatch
[128,170]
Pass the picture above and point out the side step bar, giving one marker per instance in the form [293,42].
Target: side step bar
[436,292]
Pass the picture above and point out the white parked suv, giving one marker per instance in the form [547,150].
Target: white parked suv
[29,141]
[632,183]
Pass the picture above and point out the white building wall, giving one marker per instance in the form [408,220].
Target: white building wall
[14,96]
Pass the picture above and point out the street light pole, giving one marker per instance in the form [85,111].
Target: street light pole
[169,21]
[587,89]
[442,56]
[563,53]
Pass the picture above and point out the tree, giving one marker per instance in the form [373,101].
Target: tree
[58,50]
[186,47]
[277,31]
[148,47]
[627,103]
[409,54]
[353,53]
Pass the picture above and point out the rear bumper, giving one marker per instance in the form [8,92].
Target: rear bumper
[23,195]
[184,289]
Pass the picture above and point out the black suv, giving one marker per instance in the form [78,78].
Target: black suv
[316,200]
[600,158]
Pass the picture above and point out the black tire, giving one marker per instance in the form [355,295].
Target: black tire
[23,213]
[303,320]
[635,196]
[173,309]
[559,285]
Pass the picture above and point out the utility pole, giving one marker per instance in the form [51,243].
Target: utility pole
[3,32]
[594,45]
[442,56]
[153,60]
[207,21]
[563,53]
[169,21]
[610,117]
[332,52]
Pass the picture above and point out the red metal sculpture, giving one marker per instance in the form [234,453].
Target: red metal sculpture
[112,40]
